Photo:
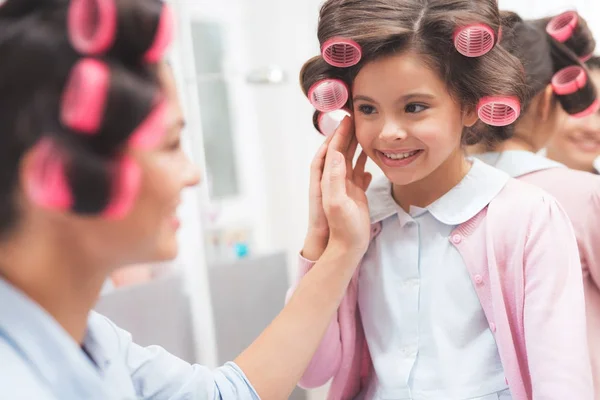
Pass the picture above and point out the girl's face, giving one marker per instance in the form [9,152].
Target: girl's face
[577,144]
[406,120]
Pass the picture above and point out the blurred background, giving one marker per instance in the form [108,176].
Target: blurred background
[250,128]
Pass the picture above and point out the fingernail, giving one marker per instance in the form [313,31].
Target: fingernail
[337,158]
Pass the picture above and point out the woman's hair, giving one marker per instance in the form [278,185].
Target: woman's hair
[388,27]
[38,59]
[542,57]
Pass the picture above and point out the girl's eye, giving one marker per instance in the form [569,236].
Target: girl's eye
[415,108]
[366,109]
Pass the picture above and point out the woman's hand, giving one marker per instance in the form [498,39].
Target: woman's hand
[343,193]
[344,142]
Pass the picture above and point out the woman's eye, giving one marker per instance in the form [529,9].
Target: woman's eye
[415,108]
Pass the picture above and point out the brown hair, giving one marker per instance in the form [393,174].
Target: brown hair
[33,35]
[387,27]
[593,63]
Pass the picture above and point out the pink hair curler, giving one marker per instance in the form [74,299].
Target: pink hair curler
[569,80]
[93,28]
[163,37]
[562,27]
[85,95]
[340,52]
[329,122]
[127,179]
[92,25]
[328,95]
[586,58]
[150,132]
[594,107]
[47,185]
[498,111]
[474,40]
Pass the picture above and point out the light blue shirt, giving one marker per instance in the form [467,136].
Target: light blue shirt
[426,330]
[40,361]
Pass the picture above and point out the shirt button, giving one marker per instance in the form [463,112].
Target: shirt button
[410,351]
[456,239]
[478,279]
[412,283]
[493,327]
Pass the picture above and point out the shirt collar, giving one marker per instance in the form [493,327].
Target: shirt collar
[517,163]
[46,347]
[472,194]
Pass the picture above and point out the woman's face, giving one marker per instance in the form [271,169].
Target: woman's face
[149,232]
[578,143]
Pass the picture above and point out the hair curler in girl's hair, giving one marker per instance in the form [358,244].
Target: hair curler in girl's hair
[474,40]
[340,52]
[85,100]
[575,91]
[327,123]
[48,184]
[97,27]
[498,111]
[570,29]
[328,95]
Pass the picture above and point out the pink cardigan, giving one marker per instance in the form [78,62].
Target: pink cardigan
[523,260]
[579,194]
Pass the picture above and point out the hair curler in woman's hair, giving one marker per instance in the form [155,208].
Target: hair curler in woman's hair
[569,28]
[328,95]
[575,91]
[85,95]
[474,40]
[49,186]
[498,110]
[97,27]
[340,52]
[85,100]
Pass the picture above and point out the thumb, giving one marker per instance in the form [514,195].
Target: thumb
[333,184]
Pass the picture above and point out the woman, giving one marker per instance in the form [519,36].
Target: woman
[92,173]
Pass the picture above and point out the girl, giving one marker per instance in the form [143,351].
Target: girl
[471,285]
[91,173]
[544,59]
[577,144]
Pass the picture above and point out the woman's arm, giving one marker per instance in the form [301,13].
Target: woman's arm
[276,361]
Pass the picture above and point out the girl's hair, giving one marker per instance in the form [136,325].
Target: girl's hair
[387,27]
[593,63]
[38,60]
[542,57]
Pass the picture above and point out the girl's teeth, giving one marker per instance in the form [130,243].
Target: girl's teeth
[400,156]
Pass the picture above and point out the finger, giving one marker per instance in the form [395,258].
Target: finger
[367,178]
[316,169]
[343,135]
[349,156]
[333,184]
[359,169]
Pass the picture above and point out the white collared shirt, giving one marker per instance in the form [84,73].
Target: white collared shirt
[426,331]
